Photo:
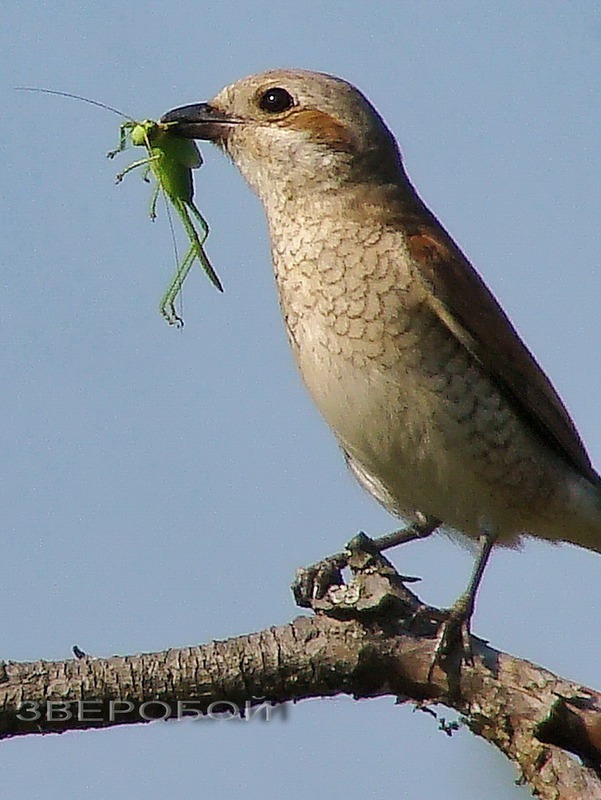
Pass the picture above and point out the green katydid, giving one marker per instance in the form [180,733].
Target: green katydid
[171,160]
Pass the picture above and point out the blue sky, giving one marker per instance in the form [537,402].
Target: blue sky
[160,487]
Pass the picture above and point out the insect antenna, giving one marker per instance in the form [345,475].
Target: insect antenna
[74,97]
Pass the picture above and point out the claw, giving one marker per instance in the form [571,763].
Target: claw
[455,630]
[312,583]
[455,634]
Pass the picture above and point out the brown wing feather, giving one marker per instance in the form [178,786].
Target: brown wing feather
[467,307]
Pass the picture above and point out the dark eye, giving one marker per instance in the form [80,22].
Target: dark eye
[276,100]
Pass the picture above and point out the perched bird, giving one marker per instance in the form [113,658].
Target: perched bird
[443,414]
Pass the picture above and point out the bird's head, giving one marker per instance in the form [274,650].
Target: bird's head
[294,132]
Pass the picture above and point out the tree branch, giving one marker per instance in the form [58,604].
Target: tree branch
[369,638]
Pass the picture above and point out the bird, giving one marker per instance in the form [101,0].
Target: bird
[441,411]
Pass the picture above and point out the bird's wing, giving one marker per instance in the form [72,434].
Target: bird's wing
[462,301]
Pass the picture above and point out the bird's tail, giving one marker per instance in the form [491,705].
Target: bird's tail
[584,528]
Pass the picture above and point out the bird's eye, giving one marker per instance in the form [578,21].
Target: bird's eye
[276,100]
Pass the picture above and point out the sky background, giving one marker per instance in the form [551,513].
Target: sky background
[159,487]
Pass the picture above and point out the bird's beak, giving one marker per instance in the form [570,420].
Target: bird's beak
[200,121]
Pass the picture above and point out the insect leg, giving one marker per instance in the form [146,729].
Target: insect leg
[167,307]
[153,202]
[200,219]
[142,162]
[196,241]
[122,140]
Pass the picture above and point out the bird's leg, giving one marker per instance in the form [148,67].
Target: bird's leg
[456,628]
[311,583]
[420,529]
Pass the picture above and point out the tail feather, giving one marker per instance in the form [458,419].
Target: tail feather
[584,529]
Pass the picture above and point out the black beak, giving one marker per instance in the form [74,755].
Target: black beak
[200,121]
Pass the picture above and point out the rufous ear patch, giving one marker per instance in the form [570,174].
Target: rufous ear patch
[321,127]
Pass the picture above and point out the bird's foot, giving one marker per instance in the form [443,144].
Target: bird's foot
[312,583]
[374,587]
[454,636]
[362,555]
